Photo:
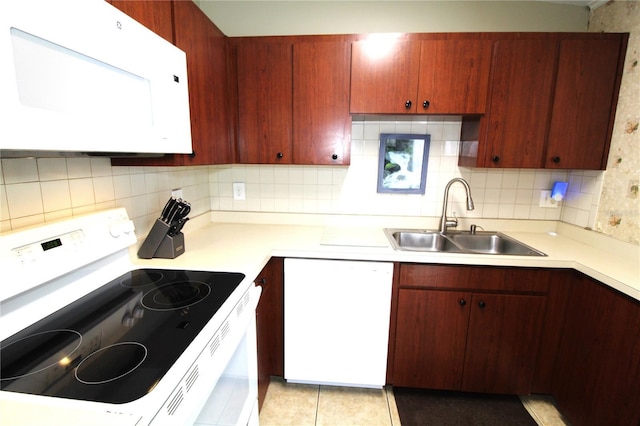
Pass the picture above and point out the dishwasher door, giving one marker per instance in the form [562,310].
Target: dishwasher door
[336,321]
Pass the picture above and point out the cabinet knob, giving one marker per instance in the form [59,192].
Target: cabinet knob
[555,159]
[462,302]
[279,155]
[334,157]
[482,304]
[407,104]
[426,104]
[263,281]
[495,158]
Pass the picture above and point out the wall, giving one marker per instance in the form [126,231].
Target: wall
[34,191]
[505,194]
[619,210]
[244,18]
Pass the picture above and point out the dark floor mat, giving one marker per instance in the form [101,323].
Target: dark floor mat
[445,408]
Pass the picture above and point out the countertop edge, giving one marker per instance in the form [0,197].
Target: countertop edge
[247,247]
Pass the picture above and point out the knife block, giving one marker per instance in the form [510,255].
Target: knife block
[160,244]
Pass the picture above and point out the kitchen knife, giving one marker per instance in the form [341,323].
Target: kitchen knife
[172,211]
[175,229]
[165,210]
[181,212]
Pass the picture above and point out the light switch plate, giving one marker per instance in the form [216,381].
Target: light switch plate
[238,191]
[546,200]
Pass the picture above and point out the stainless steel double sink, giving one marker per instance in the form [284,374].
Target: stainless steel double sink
[480,242]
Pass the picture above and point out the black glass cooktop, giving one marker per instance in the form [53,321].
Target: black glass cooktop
[115,344]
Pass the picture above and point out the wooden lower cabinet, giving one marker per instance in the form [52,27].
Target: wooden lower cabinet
[454,330]
[502,343]
[430,339]
[270,325]
[597,373]
[467,341]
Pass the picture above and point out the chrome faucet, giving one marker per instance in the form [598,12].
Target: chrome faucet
[452,223]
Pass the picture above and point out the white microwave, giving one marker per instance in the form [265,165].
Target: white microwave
[80,76]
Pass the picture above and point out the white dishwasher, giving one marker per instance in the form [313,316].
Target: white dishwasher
[336,321]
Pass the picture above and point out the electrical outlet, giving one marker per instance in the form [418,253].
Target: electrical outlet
[176,193]
[238,191]
[546,200]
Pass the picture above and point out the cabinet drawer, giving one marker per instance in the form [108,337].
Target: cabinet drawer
[479,278]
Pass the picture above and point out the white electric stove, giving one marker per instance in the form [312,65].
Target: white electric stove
[84,330]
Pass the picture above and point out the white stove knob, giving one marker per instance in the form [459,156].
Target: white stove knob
[117,229]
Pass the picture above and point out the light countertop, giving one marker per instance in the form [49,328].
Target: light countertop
[226,242]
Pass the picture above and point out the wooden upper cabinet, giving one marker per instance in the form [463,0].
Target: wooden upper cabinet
[384,76]
[584,104]
[454,76]
[448,76]
[157,15]
[521,93]
[552,102]
[206,49]
[321,119]
[265,98]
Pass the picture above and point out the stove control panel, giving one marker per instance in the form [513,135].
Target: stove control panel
[42,253]
[54,247]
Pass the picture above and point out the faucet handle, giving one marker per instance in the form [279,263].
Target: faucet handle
[452,223]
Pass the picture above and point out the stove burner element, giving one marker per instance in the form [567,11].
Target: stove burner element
[111,363]
[67,342]
[141,278]
[176,295]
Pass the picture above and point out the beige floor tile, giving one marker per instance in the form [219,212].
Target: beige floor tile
[347,406]
[543,410]
[289,404]
[302,405]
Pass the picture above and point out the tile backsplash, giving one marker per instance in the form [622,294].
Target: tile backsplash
[506,193]
[34,191]
[37,190]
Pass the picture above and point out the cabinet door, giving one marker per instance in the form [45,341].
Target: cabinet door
[155,15]
[384,76]
[520,96]
[264,102]
[502,343]
[206,50]
[430,338]
[597,371]
[454,76]
[583,104]
[321,119]
[270,325]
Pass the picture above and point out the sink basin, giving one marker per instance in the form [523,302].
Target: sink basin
[415,240]
[492,243]
[458,242]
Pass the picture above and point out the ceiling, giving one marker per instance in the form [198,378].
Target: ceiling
[591,4]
